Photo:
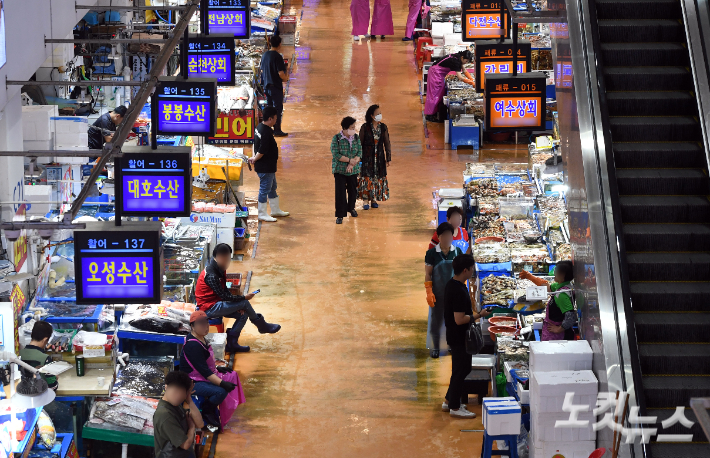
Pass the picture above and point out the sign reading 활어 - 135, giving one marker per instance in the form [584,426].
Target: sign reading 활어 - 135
[184,106]
[119,264]
[154,183]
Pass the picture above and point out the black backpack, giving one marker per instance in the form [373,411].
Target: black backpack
[474,339]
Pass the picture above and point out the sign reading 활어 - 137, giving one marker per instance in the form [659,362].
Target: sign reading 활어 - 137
[154,183]
[119,264]
[515,102]
[184,106]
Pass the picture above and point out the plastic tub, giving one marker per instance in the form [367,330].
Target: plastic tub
[218,341]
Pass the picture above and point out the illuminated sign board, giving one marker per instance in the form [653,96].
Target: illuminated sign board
[492,56]
[229,16]
[154,182]
[184,107]
[211,56]
[234,127]
[118,264]
[515,102]
[483,19]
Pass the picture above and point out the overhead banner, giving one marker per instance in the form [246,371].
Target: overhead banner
[483,20]
[154,183]
[492,56]
[515,102]
[184,107]
[119,264]
[235,127]
[211,56]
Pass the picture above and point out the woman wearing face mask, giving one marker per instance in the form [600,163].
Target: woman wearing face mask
[347,151]
[376,157]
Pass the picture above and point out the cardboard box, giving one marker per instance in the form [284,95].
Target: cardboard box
[580,449]
[548,390]
[544,429]
[226,220]
[560,355]
[36,122]
[501,416]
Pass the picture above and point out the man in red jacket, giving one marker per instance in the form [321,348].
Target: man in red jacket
[215,300]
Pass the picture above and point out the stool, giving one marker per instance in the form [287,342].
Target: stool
[420,43]
[488,363]
[217,322]
[487,448]
[476,382]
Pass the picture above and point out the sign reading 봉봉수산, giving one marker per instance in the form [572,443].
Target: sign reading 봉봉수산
[184,107]
[118,264]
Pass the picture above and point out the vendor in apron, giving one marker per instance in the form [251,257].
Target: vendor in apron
[455,216]
[438,270]
[436,80]
[560,315]
[218,386]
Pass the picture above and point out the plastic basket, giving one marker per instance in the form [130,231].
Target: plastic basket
[214,167]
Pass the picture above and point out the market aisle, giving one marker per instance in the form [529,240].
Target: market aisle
[348,375]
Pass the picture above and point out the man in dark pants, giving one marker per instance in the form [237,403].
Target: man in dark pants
[458,314]
[273,75]
[265,159]
[106,122]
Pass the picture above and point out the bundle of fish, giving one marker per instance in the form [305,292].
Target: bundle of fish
[488,206]
[494,284]
[159,324]
[124,413]
[563,252]
[143,377]
[484,187]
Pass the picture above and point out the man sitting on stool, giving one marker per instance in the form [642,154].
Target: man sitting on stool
[34,353]
[214,299]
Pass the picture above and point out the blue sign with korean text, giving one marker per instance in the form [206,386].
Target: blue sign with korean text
[154,182]
[229,16]
[185,106]
[183,116]
[118,264]
[211,56]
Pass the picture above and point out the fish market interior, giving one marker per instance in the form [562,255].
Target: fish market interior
[330,228]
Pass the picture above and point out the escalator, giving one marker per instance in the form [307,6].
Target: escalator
[662,188]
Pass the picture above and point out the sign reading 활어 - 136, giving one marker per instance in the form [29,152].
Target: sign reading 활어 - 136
[184,106]
[154,183]
[119,264]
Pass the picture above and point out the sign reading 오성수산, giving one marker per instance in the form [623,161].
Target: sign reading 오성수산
[185,107]
[118,264]
[154,182]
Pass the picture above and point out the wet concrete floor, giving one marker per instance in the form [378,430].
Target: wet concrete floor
[349,375]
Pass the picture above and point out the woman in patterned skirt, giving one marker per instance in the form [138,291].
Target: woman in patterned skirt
[376,157]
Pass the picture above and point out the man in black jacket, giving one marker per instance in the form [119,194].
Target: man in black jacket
[273,74]
[266,155]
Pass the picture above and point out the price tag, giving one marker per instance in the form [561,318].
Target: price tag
[536,293]
[94,351]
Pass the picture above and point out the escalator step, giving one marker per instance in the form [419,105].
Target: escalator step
[661,182]
[648,78]
[678,428]
[646,54]
[659,154]
[646,103]
[664,209]
[656,128]
[638,9]
[684,296]
[674,450]
[641,30]
[673,327]
[674,359]
[669,392]
[667,237]
[668,267]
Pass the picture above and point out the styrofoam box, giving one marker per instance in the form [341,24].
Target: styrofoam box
[440,29]
[544,429]
[452,39]
[523,394]
[501,416]
[226,235]
[69,124]
[36,123]
[548,389]
[579,449]
[228,220]
[506,367]
[218,342]
[560,355]
[68,140]
[40,197]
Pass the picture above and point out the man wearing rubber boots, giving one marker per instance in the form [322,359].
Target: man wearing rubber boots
[216,301]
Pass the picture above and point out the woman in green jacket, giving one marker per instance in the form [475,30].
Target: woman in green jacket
[347,151]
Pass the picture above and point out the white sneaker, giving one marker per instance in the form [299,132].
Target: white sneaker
[445,406]
[462,413]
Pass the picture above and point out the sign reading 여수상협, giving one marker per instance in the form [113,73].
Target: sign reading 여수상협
[483,19]
[211,56]
[229,16]
[154,182]
[515,102]
[119,264]
[234,127]
[492,56]
[185,106]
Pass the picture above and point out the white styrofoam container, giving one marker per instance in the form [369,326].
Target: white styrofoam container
[452,39]
[560,355]
[40,197]
[36,123]
[220,219]
[69,124]
[523,394]
[579,449]
[226,235]
[548,389]
[70,140]
[452,193]
[506,367]
[440,29]
[546,431]
[501,416]
[218,342]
